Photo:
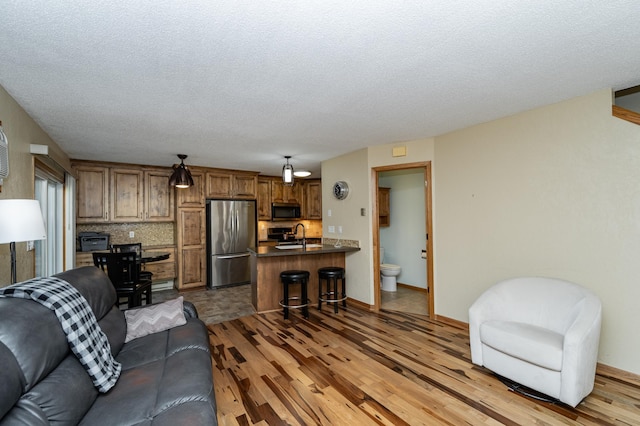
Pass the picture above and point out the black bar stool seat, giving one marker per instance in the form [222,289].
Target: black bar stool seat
[331,275]
[290,278]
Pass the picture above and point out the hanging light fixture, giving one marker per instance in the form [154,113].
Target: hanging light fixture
[287,172]
[181,177]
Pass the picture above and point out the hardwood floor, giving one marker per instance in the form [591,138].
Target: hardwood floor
[387,368]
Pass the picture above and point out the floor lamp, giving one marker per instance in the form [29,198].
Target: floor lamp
[20,220]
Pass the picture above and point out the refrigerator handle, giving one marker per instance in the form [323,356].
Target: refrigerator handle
[235,227]
[233,256]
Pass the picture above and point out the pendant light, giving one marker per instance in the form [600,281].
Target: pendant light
[181,177]
[287,173]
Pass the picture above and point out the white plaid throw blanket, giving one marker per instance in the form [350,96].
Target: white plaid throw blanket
[86,339]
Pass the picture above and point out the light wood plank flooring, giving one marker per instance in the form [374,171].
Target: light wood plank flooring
[387,368]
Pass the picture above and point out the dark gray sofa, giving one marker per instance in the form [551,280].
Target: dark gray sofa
[165,380]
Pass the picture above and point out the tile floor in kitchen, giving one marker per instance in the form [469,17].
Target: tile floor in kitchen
[228,303]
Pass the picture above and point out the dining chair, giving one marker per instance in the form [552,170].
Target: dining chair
[123,271]
[133,248]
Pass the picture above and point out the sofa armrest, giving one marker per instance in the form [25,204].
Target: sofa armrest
[190,310]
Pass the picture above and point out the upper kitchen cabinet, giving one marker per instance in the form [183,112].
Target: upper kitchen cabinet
[92,186]
[123,194]
[158,196]
[313,199]
[221,184]
[264,199]
[127,195]
[281,193]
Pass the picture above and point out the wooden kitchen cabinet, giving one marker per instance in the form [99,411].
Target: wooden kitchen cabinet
[191,231]
[264,199]
[281,193]
[313,199]
[117,195]
[384,211]
[84,259]
[159,198]
[127,195]
[92,194]
[245,186]
[194,195]
[163,270]
[218,185]
[231,185]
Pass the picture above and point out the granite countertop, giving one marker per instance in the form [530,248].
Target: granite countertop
[273,251]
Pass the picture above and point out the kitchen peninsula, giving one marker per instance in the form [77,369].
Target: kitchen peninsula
[268,262]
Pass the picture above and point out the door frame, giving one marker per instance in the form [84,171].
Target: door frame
[375,171]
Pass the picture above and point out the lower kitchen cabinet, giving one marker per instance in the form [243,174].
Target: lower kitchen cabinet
[163,270]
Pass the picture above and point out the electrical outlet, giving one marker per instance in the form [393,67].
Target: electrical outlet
[132,234]
[329,212]
[332,229]
[339,229]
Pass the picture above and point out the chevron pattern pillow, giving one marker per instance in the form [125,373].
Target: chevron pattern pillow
[154,318]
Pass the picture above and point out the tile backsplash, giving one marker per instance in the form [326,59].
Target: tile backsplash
[313,228]
[148,233]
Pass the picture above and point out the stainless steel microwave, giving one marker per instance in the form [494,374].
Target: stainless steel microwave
[285,211]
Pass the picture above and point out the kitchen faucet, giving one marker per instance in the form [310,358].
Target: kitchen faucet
[304,238]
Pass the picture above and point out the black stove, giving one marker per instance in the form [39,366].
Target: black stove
[281,234]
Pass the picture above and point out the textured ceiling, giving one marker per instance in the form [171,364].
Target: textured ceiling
[240,84]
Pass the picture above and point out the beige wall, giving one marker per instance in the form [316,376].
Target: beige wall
[355,169]
[21,131]
[550,192]
[351,168]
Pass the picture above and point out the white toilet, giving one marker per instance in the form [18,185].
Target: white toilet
[389,273]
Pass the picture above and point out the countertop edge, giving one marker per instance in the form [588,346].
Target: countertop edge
[274,252]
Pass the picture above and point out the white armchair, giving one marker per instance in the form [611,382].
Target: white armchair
[542,333]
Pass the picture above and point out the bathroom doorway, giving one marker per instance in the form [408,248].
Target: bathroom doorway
[411,202]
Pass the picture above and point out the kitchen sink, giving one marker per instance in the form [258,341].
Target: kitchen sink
[297,246]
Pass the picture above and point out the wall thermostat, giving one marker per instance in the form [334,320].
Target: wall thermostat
[340,190]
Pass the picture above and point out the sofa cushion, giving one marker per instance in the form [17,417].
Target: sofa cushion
[164,375]
[530,343]
[154,318]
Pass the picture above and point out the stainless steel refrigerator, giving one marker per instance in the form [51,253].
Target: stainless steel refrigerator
[231,231]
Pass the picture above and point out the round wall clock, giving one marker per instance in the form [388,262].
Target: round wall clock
[340,190]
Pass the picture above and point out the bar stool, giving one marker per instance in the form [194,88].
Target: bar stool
[295,277]
[331,274]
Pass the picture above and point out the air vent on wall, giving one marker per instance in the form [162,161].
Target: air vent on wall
[4,155]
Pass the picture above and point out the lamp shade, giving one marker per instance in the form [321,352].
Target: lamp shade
[287,173]
[21,220]
[181,177]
